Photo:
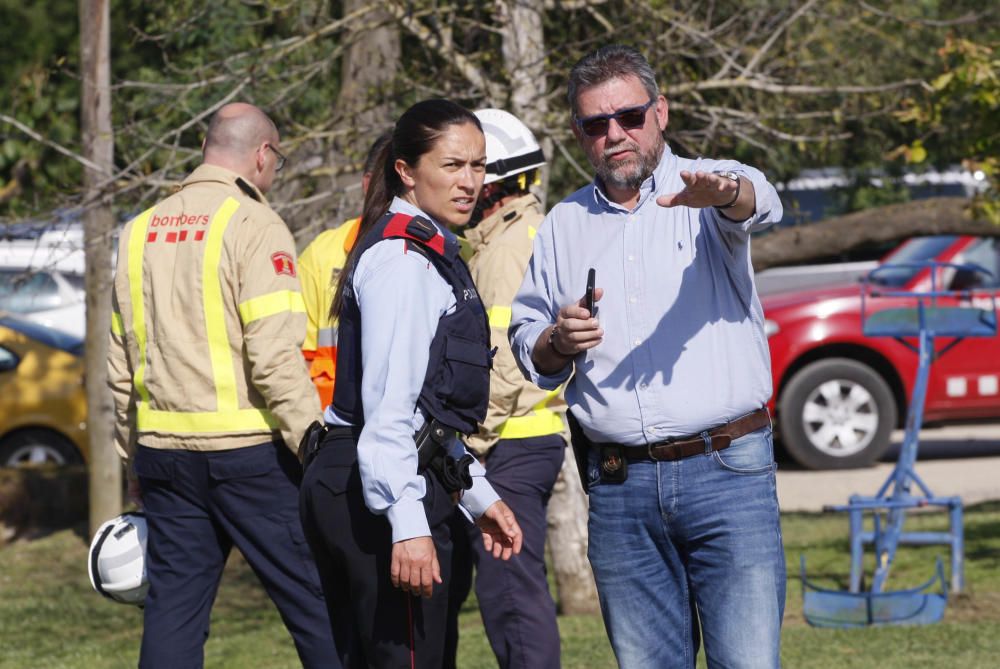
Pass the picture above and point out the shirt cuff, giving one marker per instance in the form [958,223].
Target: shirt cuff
[527,335]
[480,496]
[408,520]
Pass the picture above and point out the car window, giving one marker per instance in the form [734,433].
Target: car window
[916,250]
[986,254]
[8,360]
[75,280]
[23,292]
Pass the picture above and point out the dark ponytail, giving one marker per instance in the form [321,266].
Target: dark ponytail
[415,134]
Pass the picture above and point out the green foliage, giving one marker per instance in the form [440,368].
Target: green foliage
[729,69]
[959,117]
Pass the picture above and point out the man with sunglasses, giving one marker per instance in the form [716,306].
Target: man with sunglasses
[212,395]
[667,379]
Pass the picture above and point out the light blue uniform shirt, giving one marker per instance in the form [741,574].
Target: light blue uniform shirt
[401,296]
[684,347]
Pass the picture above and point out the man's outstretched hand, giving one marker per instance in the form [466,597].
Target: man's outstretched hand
[702,189]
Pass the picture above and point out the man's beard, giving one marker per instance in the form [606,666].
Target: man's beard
[628,174]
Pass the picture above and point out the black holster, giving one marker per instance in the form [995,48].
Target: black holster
[581,449]
[310,443]
[432,453]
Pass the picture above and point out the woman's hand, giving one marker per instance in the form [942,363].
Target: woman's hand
[415,567]
[501,534]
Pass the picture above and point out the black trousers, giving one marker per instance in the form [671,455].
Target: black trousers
[198,506]
[375,625]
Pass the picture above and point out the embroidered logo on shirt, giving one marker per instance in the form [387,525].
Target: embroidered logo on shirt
[283,263]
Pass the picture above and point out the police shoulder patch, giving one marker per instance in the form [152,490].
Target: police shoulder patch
[416,228]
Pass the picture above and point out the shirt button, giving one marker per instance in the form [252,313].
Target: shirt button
[638,342]
[632,300]
[631,258]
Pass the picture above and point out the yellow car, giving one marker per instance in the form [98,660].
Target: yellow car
[43,404]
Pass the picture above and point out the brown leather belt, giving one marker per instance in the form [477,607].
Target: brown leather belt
[720,437]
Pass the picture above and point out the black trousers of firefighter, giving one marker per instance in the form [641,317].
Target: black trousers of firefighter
[375,625]
[198,506]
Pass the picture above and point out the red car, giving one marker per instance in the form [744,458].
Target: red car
[839,394]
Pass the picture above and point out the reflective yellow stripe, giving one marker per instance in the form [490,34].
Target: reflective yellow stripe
[539,423]
[239,420]
[136,245]
[219,351]
[499,317]
[117,324]
[327,336]
[271,304]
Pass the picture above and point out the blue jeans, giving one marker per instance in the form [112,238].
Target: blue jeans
[688,544]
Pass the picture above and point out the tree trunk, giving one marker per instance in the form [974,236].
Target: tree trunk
[896,222]
[567,537]
[98,146]
[368,70]
[524,61]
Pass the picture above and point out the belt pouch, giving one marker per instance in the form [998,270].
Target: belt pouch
[614,466]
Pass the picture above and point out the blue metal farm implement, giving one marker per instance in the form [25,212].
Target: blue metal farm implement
[924,315]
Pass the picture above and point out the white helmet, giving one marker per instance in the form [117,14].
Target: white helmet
[117,560]
[510,147]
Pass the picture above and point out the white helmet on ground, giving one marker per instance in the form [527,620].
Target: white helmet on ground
[117,560]
[510,147]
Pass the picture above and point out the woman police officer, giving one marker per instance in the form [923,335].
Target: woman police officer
[413,365]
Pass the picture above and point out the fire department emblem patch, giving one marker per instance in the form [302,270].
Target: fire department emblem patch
[283,263]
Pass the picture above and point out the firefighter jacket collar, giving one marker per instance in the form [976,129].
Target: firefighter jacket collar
[206,173]
[496,223]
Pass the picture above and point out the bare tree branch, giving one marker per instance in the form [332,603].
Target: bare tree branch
[52,145]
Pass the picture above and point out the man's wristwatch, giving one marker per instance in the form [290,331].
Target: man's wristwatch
[732,176]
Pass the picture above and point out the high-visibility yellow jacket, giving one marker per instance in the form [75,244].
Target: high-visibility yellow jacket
[319,266]
[502,246]
[207,323]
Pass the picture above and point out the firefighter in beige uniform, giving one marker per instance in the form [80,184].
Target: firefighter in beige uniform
[521,441]
[212,394]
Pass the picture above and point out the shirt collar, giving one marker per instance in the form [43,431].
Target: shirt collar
[206,173]
[646,189]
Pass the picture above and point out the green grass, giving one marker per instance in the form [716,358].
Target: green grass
[49,617]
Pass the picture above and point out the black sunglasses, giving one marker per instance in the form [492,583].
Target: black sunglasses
[281,158]
[629,118]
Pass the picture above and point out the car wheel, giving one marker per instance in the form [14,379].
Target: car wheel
[836,414]
[36,447]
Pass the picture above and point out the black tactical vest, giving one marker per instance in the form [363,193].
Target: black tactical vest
[457,384]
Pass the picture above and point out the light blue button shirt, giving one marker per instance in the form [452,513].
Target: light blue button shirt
[402,297]
[684,347]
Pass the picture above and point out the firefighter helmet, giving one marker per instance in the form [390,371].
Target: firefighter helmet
[510,147]
[117,559]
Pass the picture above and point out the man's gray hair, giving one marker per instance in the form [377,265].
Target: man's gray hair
[610,62]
